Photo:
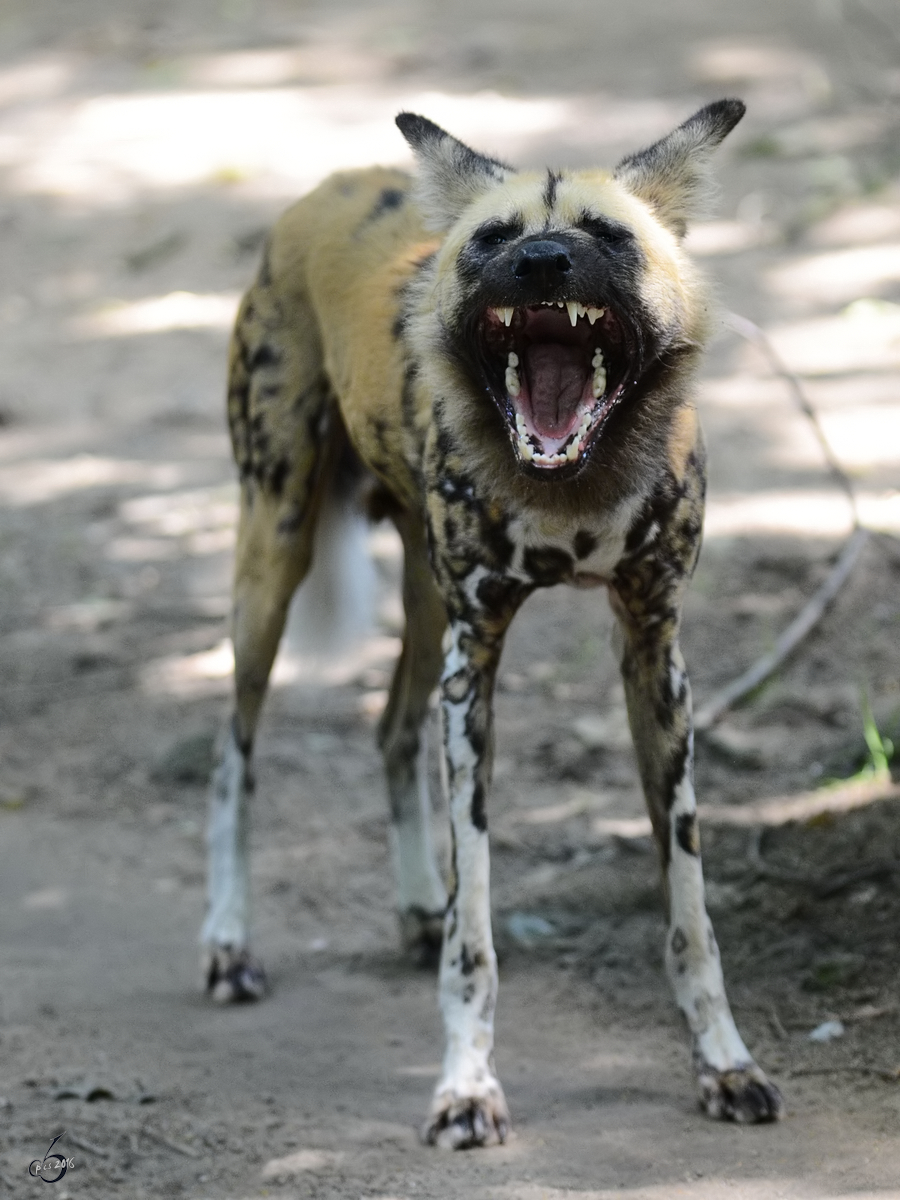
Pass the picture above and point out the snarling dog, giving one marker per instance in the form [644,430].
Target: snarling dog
[512,356]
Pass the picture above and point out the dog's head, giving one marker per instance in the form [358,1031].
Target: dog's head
[563,294]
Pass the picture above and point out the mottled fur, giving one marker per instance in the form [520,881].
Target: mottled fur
[550,445]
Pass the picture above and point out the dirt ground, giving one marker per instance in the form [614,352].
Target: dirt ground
[144,147]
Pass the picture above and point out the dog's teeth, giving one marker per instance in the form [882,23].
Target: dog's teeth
[513,383]
[594,314]
[581,310]
[525,449]
[598,384]
[507,316]
[521,427]
[572,309]
[572,450]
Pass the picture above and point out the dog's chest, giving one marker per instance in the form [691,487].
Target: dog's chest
[581,551]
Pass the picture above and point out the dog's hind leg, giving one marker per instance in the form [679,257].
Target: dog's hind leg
[286,433]
[421,895]
[647,594]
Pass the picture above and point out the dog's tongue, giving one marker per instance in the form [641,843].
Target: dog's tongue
[555,384]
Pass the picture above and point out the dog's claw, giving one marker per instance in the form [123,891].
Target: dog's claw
[463,1123]
[743,1095]
[232,976]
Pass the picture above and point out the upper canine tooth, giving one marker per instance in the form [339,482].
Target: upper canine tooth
[594,314]
[572,309]
[507,314]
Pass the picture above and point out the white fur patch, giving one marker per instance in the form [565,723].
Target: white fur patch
[228,878]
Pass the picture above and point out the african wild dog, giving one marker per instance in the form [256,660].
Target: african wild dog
[512,356]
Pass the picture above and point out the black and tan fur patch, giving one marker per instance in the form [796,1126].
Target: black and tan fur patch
[512,357]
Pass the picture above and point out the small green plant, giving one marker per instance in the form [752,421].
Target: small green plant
[881,749]
[879,752]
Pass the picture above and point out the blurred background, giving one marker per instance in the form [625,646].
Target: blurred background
[145,148]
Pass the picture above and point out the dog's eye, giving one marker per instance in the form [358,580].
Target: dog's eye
[605,231]
[495,235]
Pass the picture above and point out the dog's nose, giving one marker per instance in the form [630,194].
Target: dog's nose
[546,261]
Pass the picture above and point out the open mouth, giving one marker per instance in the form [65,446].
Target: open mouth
[557,370]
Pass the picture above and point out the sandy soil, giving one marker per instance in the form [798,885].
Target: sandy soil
[143,149]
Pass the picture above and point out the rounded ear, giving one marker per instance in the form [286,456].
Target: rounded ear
[451,175]
[673,175]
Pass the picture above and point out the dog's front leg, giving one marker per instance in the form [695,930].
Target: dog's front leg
[647,596]
[468,1108]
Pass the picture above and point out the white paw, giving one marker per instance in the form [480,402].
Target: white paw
[743,1094]
[231,976]
[458,1122]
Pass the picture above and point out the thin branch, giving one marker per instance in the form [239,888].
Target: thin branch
[800,806]
[802,624]
[823,887]
[179,1147]
[766,870]
[814,609]
[869,1012]
[83,1144]
[890,1074]
[752,333]
[875,870]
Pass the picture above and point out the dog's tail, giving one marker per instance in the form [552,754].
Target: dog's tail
[334,609]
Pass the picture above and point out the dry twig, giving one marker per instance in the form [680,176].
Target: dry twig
[84,1144]
[813,610]
[752,333]
[890,1074]
[823,886]
[187,1151]
[806,619]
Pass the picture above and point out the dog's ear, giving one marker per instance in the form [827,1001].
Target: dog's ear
[672,175]
[451,175]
